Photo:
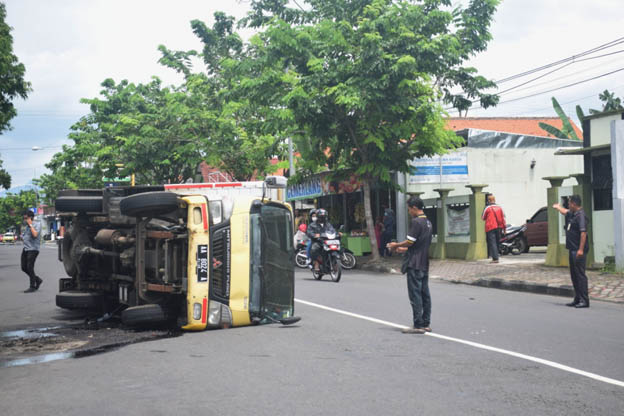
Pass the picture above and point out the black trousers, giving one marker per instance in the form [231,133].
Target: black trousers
[419,296]
[28,265]
[578,276]
[493,241]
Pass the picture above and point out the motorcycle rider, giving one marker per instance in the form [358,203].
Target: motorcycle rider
[315,230]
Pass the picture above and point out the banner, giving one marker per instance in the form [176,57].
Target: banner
[452,167]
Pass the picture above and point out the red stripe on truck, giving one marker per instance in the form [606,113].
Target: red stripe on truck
[204,310]
[205,216]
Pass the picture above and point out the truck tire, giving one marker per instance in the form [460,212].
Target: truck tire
[68,262]
[80,192]
[149,204]
[78,204]
[150,314]
[73,299]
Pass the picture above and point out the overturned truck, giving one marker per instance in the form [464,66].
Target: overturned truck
[209,255]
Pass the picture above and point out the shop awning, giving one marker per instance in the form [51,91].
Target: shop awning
[582,150]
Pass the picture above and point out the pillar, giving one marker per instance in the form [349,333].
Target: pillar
[617,165]
[556,254]
[477,248]
[440,249]
[584,190]
[401,207]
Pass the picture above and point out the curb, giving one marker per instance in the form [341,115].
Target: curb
[493,283]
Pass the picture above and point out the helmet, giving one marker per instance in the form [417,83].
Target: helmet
[303,228]
[321,214]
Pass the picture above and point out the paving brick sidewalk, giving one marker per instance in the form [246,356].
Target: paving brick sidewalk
[512,274]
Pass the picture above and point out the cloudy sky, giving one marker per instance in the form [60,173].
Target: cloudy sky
[70,46]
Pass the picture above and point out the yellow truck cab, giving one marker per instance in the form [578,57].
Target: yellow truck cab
[206,255]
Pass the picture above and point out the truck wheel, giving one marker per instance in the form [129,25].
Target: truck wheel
[149,204]
[80,192]
[68,262]
[149,314]
[526,246]
[73,299]
[78,204]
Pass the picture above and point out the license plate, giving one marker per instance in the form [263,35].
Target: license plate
[331,242]
[202,263]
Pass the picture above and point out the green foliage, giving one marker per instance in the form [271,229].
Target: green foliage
[12,206]
[610,103]
[143,129]
[5,178]
[12,84]
[567,131]
[365,78]
[240,94]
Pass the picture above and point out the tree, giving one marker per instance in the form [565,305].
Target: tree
[5,178]
[610,103]
[567,131]
[247,123]
[366,77]
[145,129]
[12,206]
[12,84]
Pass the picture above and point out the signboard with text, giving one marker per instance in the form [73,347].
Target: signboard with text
[452,167]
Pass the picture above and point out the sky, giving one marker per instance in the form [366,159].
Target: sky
[70,46]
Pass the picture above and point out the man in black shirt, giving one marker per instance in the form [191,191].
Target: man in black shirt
[576,242]
[416,265]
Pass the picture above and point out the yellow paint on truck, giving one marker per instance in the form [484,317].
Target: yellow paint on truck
[199,235]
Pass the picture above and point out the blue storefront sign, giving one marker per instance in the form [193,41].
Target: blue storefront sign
[310,188]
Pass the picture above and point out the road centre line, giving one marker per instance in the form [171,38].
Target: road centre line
[474,344]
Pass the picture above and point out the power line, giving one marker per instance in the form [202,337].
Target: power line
[563,61]
[552,90]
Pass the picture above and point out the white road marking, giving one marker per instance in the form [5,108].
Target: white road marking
[474,344]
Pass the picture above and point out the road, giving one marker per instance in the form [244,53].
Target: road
[334,363]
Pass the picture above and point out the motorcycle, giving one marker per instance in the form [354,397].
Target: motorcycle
[513,241]
[347,258]
[329,260]
[301,258]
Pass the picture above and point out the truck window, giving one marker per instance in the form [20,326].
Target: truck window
[272,273]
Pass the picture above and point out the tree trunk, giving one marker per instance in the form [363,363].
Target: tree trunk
[370,223]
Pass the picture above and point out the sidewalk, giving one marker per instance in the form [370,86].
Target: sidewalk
[512,273]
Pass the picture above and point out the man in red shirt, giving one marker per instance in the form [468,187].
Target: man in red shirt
[494,226]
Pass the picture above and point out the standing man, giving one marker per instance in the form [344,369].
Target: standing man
[576,242]
[416,265]
[31,237]
[494,226]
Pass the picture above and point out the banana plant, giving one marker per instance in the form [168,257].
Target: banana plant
[567,131]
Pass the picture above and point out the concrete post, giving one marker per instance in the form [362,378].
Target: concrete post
[556,255]
[440,248]
[477,248]
[617,165]
[401,207]
[584,190]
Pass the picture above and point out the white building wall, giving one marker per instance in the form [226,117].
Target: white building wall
[518,188]
[604,245]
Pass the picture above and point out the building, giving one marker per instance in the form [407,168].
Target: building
[602,186]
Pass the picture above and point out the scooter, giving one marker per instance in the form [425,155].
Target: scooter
[329,260]
[347,258]
[513,241]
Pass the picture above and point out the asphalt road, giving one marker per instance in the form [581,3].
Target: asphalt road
[332,363]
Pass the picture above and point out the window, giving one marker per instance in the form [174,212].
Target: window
[602,182]
[540,216]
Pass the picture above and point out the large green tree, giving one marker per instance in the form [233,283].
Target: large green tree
[12,84]
[367,77]
[240,95]
[145,129]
